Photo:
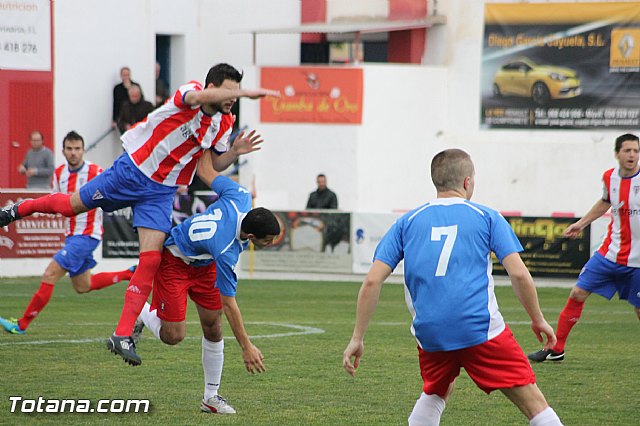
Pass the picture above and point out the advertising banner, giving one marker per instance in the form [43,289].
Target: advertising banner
[561,65]
[308,242]
[39,235]
[312,95]
[546,252]
[25,35]
[367,229]
[121,241]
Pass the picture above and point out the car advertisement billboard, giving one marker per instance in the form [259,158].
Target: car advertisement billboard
[561,65]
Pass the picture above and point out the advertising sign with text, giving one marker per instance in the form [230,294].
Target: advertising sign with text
[561,65]
[312,95]
[546,252]
[39,235]
[308,242]
[25,35]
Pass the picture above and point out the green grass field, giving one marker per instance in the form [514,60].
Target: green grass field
[302,329]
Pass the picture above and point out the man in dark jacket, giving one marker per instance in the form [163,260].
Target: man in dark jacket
[323,197]
[134,110]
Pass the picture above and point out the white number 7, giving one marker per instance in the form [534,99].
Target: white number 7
[450,233]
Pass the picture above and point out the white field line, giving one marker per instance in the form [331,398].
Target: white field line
[301,330]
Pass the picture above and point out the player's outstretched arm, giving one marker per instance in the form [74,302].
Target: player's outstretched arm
[525,290]
[214,95]
[598,209]
[367,301]
[250,354]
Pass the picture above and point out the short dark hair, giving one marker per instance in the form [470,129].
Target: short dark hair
[449,168]
[321,175]
[221,72]
[623,138]
[260,222]
[73,136]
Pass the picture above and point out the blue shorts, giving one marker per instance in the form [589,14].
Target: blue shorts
[76,256]
[604,277]
[124,185]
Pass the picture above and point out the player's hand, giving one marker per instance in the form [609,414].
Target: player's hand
[541,328]
[572,231]
[260,93]
[245,144]
[354,349]
[31,171]
[253,360]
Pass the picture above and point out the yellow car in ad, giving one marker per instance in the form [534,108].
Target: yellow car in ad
[541,83]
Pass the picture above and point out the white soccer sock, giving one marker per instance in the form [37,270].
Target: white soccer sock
[427,411]
[546,417]
[212,362]
[151,320]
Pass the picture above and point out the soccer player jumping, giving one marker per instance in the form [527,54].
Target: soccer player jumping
[161,153]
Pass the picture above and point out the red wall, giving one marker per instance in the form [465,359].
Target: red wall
[313,11]
[26,104]
[407,46]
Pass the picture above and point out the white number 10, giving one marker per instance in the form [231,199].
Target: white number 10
[450,233]
[204,226]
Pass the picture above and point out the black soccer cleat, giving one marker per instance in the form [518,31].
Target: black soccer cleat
[546,355]
[126,348]
[8,215]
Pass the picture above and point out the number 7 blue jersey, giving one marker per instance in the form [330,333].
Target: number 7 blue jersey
[214,235]
[446,246]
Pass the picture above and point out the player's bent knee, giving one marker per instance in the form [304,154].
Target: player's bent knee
[171,334]
[171,339]
[81,289]
[579,294]
[213,335]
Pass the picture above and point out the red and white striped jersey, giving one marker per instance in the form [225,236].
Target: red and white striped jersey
[622,242]
[68,182]
[166,145]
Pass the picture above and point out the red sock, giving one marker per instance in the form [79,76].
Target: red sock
[37,304]
[567,319]
[52,203]
[106,279]
[138,291]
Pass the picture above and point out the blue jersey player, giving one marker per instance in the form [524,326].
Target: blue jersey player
[446,245]
[198,260]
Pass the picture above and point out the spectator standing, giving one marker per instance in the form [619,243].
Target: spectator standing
[120,94]
[323,197]
[38,164]
[135,109]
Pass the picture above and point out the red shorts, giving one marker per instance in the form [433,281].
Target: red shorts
[498,363]
[175,279]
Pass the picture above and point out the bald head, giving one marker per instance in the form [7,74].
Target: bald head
[450,168]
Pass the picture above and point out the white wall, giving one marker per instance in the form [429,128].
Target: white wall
[410,112]
[94,39]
